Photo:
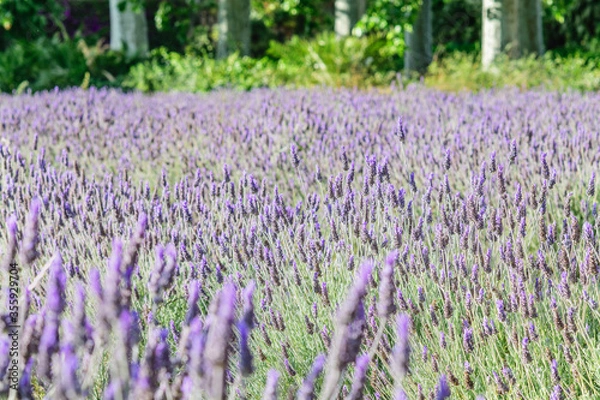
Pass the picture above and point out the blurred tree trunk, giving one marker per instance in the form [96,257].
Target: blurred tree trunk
[418,53]
[512,38]
[491,31]
[234,27]
[512,26]
[532,38]
[128,29]
[347,14]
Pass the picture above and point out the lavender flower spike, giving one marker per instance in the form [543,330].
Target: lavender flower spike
[217,343]
[360,374]
[350,322]
[401,353]
[31,234]
[11,245]
[442,390]
[246,367]
[386,306]
[4,357]
[306,391]
[270,392]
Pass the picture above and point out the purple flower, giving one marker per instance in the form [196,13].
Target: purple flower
[4,357]
[386,306]
[163,273]
[25,386]
[591,189]
[49,345]
[270,392]
[192,302]
[216,352]
[468,342]
[68,385]
[11,246]
[55,298]
[350,322]
[501,311]
[246,367]
[360,374]
[401,352]
[442,390]
[306,391]
[31,234]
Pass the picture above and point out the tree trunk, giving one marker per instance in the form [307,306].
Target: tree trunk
[491,31]
[234,27]
[347,14]
[128,30]
[513,26]
[418,53]
[512,37]
[532,32]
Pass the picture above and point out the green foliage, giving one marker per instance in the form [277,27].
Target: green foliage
[28,19]
[41,64]
[325,60]
[287,18]
[181,25]
[170,71]
[388,20]
[47,63]
[461,71]
[582,26]
[456,24]
[331,60]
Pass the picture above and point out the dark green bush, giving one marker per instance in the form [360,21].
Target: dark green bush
[47,63]
[41,64]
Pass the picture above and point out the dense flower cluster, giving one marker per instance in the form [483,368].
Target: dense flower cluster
[301,244]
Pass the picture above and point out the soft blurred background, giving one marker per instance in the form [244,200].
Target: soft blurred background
[201,45]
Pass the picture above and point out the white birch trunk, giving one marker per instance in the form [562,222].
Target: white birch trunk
[128,30]
[419,42]
[491,32]
[233,27]
[512,26]
[347,14]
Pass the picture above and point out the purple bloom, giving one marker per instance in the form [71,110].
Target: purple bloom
[468,342]
[360,375]
[11,246]
[192,302]
[31,234]
[442,390]
[386,305]
[217,342]
[4,357]
[501,312]
[270,392]
[401,353]
[306,391]
[246,367]
[350,322]
[56,287]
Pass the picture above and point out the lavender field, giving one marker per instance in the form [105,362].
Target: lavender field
[310,244]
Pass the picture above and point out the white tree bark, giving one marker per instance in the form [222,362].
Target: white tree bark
[233,27]
[128,30]
[512,26]
[491,31]
[419,42]
[347,14]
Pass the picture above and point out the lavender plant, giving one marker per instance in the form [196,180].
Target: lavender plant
[309,244]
